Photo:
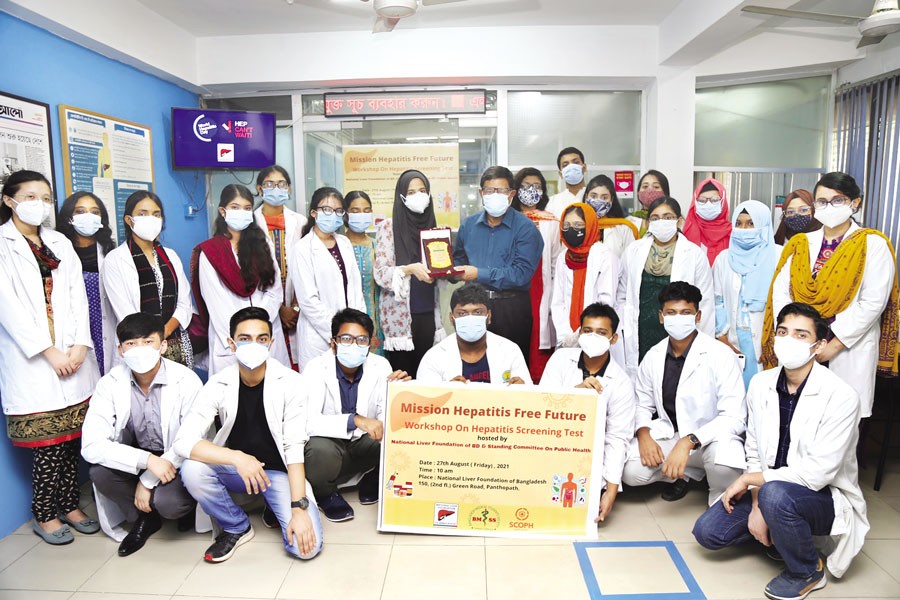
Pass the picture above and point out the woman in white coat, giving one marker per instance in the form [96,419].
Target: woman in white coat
[848,274]
[142,275]
[742,275]
[83,219]
[587,272]
[48,371]
[284,227]
[323,269]
[616,232]
[647,266]
[235,269]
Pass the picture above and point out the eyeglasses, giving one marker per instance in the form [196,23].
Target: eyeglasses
[568,226]
[347,339]
[707,200]
[531,186]
[793,212]
[492,190]
[328,210]
[281,185]
[31,197]
[656,218]
[836,201]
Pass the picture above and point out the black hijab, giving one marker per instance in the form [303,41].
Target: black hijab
[407,224]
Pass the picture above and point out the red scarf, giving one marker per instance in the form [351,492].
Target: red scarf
[220,255]
[576,259]
[715,234]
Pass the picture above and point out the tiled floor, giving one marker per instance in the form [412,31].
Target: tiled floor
[360,564]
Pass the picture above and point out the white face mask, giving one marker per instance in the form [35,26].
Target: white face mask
[663,230]
[470,328]
[251,354]
[147,227]
[495,205]
[573,174]
[352,356]
[792,353]
[86,224]
[709,210]
[417,202]
[832,216]
[238,220]
[142,359]
[680,326]
[593,344]
[32,212]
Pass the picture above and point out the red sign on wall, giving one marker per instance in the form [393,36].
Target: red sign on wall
[361,104]
[624,181]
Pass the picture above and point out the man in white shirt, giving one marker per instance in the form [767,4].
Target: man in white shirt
[801,464]
[473,353]
[590,366]
[128,432]
[257,450]
[691,411]
[346,388]
[572,171]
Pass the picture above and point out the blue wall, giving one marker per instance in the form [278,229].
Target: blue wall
[44,67]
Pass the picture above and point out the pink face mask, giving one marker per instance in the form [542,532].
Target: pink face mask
[646,197]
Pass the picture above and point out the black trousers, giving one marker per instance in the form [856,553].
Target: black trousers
[54,480]
[511,318]
[423,339]
[171,500]
[327,460]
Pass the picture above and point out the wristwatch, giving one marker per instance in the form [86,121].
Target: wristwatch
[695,441]
[302,503]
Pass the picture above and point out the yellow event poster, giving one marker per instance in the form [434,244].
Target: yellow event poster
[491,460]
[375,169]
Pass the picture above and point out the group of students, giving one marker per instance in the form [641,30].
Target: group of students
[300,327]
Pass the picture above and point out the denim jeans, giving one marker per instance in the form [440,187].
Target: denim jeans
[210,486]
[794,514]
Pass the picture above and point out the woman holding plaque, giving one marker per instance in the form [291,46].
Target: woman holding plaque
[142,275]
[359,219]
[326,278]
[410,310]
[84,220]
[531,200]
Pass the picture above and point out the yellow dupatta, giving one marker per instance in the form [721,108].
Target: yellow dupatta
[832,291]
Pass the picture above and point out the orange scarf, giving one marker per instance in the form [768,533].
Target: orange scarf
[576,258]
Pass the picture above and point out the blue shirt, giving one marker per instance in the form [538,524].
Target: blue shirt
[787,404]
[349,393]
[506,255]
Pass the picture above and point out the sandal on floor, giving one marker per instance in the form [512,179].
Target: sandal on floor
[87,526]
[60,537]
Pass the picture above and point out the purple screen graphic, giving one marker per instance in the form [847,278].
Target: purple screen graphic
[222,139]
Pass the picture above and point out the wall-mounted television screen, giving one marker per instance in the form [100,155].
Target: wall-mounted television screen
[222,139]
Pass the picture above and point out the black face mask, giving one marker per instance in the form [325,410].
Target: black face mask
[574,237]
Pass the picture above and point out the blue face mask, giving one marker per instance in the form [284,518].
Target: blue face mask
[470,328]
[328,223]
[573,174]
[495,205]
[746,239]
[359,222]
[352,356]
[275,196]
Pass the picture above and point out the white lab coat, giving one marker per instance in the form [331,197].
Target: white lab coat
[104,429]
[28,383]
[549,255]
[600,283]
[120,280]
[284,406]
[442,362]
[859,325]
[727,285]
[824,433]
[690,264]
[222,303]
[562,372]
[709,401]
[293,227]
[323,395]
[618,238]
[320,291]
[559,201]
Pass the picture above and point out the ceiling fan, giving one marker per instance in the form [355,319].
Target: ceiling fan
[884,20]
[389,12]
